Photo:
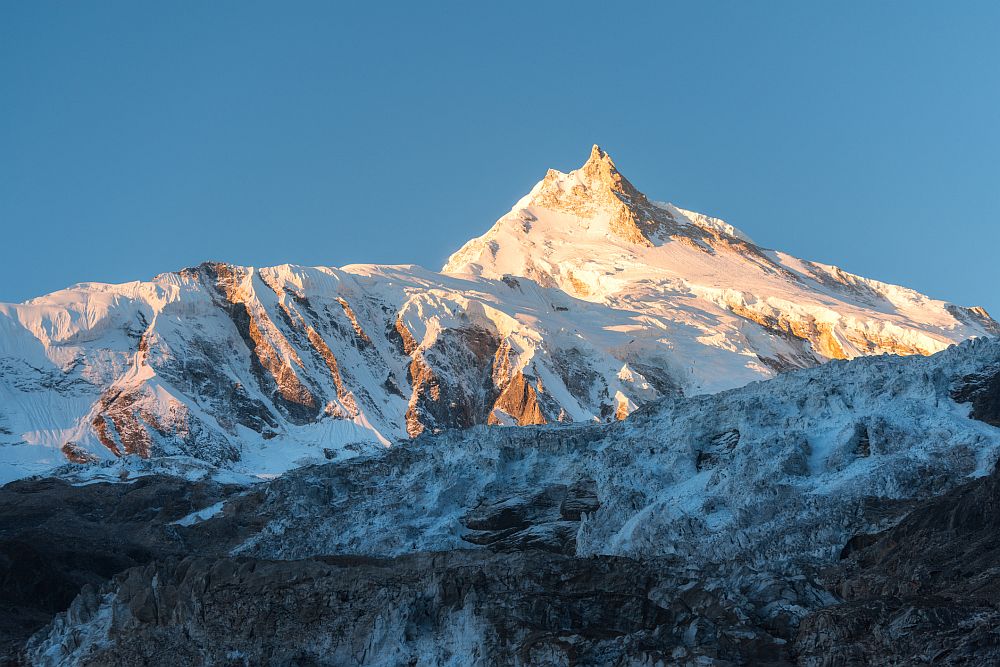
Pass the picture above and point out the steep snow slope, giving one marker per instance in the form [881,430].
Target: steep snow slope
[593,234]
[281,366]
[583,303]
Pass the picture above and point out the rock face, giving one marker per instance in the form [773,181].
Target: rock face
[456,608]
[56,538]
[585,302]
[843,514]
[982,391]
[924,591]
[548,520]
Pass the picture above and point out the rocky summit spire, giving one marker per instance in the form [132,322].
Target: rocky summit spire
[600,171]
[599,189]
[599,164]
[599,156]
[597,184]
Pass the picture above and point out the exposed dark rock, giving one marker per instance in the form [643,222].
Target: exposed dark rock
[922,592]
[983,391]
[469,608]
[659,377]
[55,538]
[974,315]
[511,281]
[400,336]
[452,381]
[513,522]
[580,498]
[548,520]
[575,372]
[717,448]
[76,454]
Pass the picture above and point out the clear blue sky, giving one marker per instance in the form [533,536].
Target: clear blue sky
[139,137]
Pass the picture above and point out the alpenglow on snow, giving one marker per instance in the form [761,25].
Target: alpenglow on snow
[584,302]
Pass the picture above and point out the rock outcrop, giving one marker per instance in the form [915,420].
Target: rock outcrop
[455,608]
[56,538]
[922,592]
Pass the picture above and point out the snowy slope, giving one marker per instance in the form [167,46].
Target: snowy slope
[271,367]
[594,235]
[583,303]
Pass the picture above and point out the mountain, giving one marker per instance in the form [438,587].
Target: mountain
[844,514]
[585,302]
[592,234]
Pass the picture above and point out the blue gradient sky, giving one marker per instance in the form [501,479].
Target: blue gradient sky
[137,138]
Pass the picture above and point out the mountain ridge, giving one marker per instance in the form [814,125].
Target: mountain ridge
[583,303]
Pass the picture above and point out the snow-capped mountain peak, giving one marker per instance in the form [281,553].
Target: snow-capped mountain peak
[584,302]
[597,185]
[595,203]
[594,235]
[602,202]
